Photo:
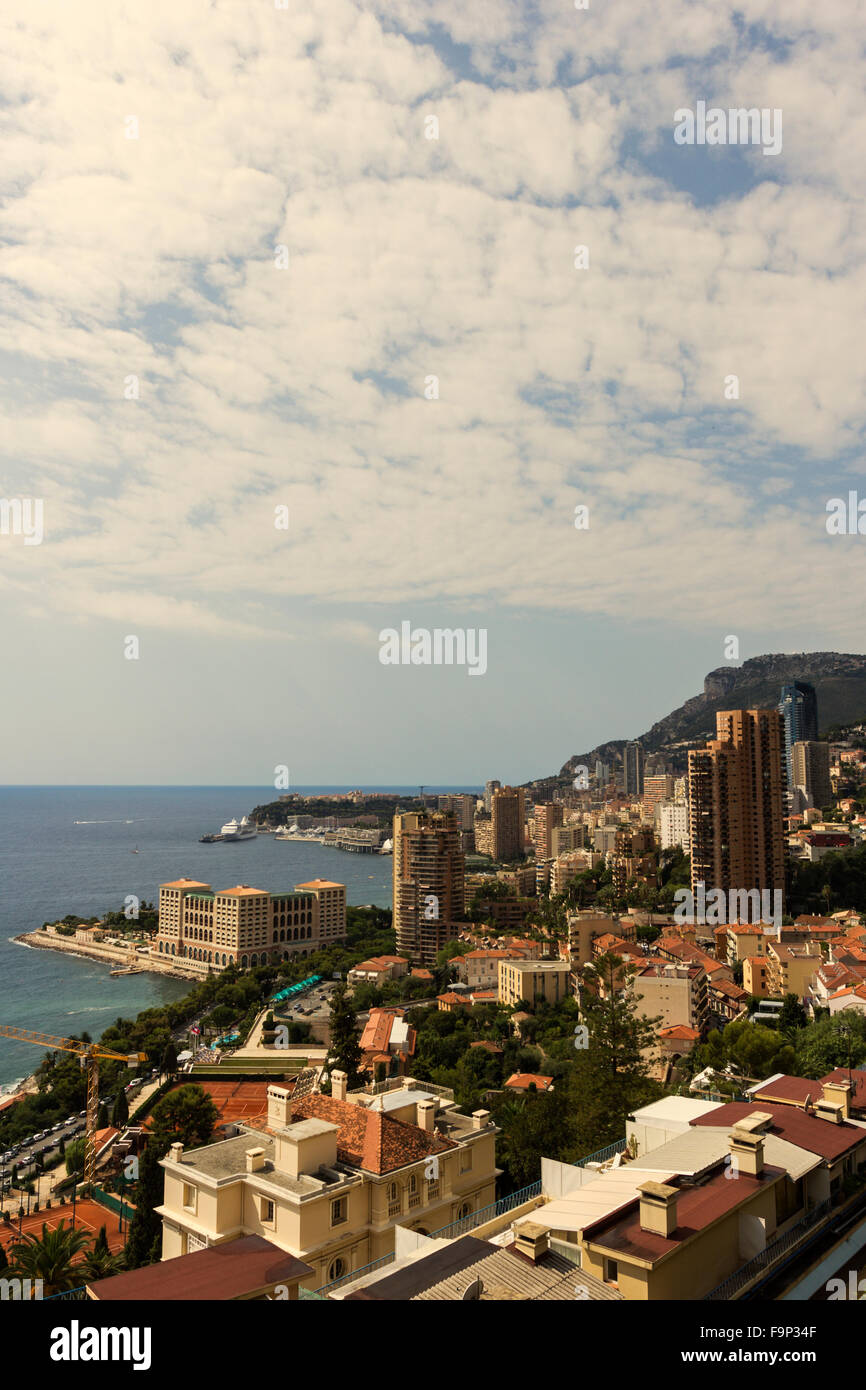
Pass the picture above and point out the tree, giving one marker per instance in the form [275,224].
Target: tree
[344,1047]
[186,1116]
[145,1229]
[120,1110]
[75,1152]
[613,1070]
[49,1257]
[102,1116]
[168,1065]
[792,1015]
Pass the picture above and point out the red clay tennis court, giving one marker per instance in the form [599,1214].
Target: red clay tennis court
[237,1101]
[89,1216]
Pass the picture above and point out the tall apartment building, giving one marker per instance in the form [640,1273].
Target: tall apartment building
[810,762]
[633,769]
[736,800]
[798,707]
[547,819]
[673,824]
[462,805]
[246,926]
[659,787]
[508,814]
[428,882]
[489,789]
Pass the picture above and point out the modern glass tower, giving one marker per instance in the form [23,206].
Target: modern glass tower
[799,709]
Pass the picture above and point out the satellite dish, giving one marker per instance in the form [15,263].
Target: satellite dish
[473,1291]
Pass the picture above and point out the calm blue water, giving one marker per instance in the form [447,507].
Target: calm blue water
[49,865]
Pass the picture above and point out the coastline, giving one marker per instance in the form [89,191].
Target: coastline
[39,940]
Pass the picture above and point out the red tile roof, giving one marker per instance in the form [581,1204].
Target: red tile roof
[234,1269]
[697,1208]
[827,1140]
[522,1080]
[370,1139]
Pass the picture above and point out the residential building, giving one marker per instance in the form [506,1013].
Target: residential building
[377,970]
[532,980]
[810,763]
[658,787]
[565,838]
[673,993]
[736,794]
[428,883]
[673,825]
[792,969]
[244,1269]
[246,926]
[387,1040]
[508,817]
[328,1178]
[547,819]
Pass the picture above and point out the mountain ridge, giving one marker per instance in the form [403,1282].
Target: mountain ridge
[839,679]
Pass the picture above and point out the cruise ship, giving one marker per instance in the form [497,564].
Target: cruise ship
[238,830]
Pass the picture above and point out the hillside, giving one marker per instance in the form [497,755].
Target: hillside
[839,679]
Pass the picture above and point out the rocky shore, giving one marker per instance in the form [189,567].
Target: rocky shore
[117,956]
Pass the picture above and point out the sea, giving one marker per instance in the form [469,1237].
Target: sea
[72,849]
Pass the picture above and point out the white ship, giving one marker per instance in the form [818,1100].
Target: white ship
[238,830]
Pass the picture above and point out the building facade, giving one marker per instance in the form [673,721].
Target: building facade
[245,926]
[429,869]
[736,804]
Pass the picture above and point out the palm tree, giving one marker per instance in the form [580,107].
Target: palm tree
[49,1257]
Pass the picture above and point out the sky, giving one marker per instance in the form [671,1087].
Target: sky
[296,346]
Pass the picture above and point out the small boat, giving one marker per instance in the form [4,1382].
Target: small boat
[134,851]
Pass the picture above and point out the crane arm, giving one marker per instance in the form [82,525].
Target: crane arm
[82,1049]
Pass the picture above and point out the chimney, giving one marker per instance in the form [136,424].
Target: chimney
[658,1208]
[747,1152]
[425,1114]
[255,1160]
[532,1240]
[480,1119]
[829,1110]
[839,1093]
[279,1110]
[175,1153]
[339,1084]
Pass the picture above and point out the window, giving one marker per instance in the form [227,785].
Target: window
[465,1209]
[338,1211]
[465,1160]
[414,1194]
[336,1269]
[189,1196]
[394,1202]
[611,1271]
[266,1210]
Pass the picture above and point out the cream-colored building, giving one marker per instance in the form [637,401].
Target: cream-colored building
[533,979]
[246,926]
[328,1178]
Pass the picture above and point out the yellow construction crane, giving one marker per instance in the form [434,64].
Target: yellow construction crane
[91,1054]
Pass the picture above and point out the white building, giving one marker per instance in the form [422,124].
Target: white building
[673,823]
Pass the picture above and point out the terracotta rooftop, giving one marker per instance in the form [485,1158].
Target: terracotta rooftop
[522,1080]
[697,1208]
[809,1132]
[319,883]
[371,1139]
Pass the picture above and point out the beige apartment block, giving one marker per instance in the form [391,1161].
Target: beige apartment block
[508,817]
[671,992]
[532,980]
[583,927]
[547,818]
[245,926]
[328,1178]
[792,969]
